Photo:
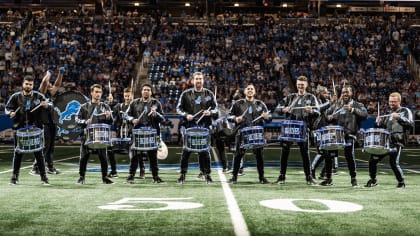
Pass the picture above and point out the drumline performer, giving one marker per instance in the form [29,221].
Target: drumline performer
[145,112]
[50,131]
[25,108]
[321,121]
[196,106]
[348,113]
[93,112]
[300,106]
[398,122]
[249,112]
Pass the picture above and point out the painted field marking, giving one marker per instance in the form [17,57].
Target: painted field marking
[333,206]
[238,221]
[126,204]
[27,167]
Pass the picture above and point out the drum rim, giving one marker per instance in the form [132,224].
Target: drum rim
[331,127]
[98,125]
[293,121]
[378,130]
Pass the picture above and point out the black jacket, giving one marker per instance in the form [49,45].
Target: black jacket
[350,121]
[399,128]
[250,111]
[191,102]
[25,104]
[95,111]
[296,102]
[140,108]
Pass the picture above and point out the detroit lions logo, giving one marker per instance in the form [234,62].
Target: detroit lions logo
[72,109]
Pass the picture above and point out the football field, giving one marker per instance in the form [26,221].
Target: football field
[195,208]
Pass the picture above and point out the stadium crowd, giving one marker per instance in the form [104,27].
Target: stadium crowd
[367,52]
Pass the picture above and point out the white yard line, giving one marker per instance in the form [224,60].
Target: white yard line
[238,221]
[27,167]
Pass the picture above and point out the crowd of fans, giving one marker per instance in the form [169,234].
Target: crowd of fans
[368,53]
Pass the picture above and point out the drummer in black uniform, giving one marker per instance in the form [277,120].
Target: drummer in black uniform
[398,122]
[93,112]
[25,108]
[249,112]
[200,102]
[50,131]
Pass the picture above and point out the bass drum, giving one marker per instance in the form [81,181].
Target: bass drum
[66,108]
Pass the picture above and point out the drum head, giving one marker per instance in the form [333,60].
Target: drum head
[66,108]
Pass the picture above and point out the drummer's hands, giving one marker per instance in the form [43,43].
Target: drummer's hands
[265,115]
[190,117]
[152,112]
[44,104]
[334,98]
[12,114]
[108,114]
[238,119]
[136,121]
[347,107]
[378,120]
[330,117]
[89,121]
[395,115]
[308,109]
[286,109]
[206,113]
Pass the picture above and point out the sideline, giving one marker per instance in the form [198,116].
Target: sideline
[27,167]
[238,221]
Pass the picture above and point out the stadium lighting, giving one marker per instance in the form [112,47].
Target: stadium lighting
[338,6]
[187,4]
[236,4]
[136,4]
[284,5]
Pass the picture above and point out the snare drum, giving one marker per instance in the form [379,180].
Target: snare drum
[197,139]
[376,141]
[29,140]
[145,139]
[98,136]
[252,137]
[331,137]
[293,131]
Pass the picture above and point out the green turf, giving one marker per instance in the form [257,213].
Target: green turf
[64,208]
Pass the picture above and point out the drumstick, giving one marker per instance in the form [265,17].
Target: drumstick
[400,113]
[197,113]
[141,115]
[259,117]
[378,109]
[201,117]
[35,108]
[17,109]
[150,113]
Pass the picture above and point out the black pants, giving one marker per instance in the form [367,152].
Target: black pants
[111,159]
[17,160]
[350,156]
[203,160]
[304,152]
[329,159]
[84,157]
[49,144]
[220,147]
[239,154]
[136,160]
[394,162]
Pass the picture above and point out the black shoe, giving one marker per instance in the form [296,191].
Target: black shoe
[181,179]
[130,179]
[209,179]
[327,182]
[14,180]
[142,174]
[44,180]
[112,175]
[354,183]
[106,180]
[334,171]
[157,180]
[241,172]
[371,183]
[225,170]
[281,179]
[233,180]
[81,180]
[263,181]
[401,185]
[313,174]
[52,171]
[200,175]
[310,180]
